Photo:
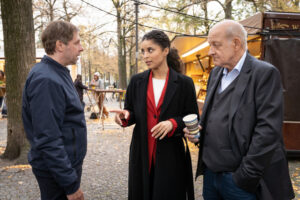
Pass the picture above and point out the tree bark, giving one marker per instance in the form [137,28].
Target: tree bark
[51,9]
[124,56]
[19,50]
[228,9]
[132,58]
[121,64]
[206,21]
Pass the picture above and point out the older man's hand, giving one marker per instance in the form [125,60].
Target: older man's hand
[189,136]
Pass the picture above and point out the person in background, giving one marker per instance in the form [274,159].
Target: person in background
[2,83]
[115,87]
[2,95]
[156,101]
[97,83]
[241,151]
[80,87]
[53,116]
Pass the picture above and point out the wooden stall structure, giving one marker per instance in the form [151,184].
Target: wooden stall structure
[273,37]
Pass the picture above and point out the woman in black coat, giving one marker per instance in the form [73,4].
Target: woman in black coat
[156,101]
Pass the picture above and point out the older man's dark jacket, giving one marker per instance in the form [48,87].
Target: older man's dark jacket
[255,125]
[54,123]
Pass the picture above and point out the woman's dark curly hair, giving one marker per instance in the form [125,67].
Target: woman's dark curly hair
[161,39]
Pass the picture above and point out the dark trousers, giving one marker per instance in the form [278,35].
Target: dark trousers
[49,188]
[220,186]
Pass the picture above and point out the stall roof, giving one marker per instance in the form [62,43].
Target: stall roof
[185,43]
[253,24]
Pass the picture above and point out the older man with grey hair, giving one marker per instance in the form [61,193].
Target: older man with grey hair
[241,151]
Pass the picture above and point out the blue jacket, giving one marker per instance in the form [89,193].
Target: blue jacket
[54,123]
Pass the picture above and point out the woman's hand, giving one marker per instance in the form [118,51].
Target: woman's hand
[161,129]
[189,136]
[120,114]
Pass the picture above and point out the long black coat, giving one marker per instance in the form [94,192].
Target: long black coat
[173,172]
[255,124]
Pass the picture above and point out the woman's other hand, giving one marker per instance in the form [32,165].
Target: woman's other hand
[161,129]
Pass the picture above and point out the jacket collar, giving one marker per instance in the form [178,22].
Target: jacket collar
[55,64]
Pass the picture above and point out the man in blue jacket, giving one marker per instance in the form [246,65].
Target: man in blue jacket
[53,116]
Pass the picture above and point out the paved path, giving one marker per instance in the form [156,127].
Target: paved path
[105,169]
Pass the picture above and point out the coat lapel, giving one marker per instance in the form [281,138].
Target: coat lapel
[171,89]
[142,93]
[214,80]
[239,88]
[141,104]
[150,95]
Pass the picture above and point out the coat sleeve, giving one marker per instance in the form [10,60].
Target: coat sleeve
[80,85]
[129,104]
[266,133]
[190,105]
[47,107]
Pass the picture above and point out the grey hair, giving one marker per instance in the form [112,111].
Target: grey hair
[237,30]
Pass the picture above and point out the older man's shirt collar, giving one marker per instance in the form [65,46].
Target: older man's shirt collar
[238,66]
[228,77]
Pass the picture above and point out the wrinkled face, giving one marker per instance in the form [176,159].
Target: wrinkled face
[221,48]
[153,54]
[72,50]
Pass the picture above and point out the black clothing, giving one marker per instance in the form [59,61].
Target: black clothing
[49,188]
[79,88]
[172,177]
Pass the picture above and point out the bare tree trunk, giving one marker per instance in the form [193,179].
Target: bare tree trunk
[19,49]
[131,59]
[121,68]
[206,21]
[124,55]
[51,9]
[228,9]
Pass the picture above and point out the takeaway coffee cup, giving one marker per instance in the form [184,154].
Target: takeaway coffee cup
[191,122]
